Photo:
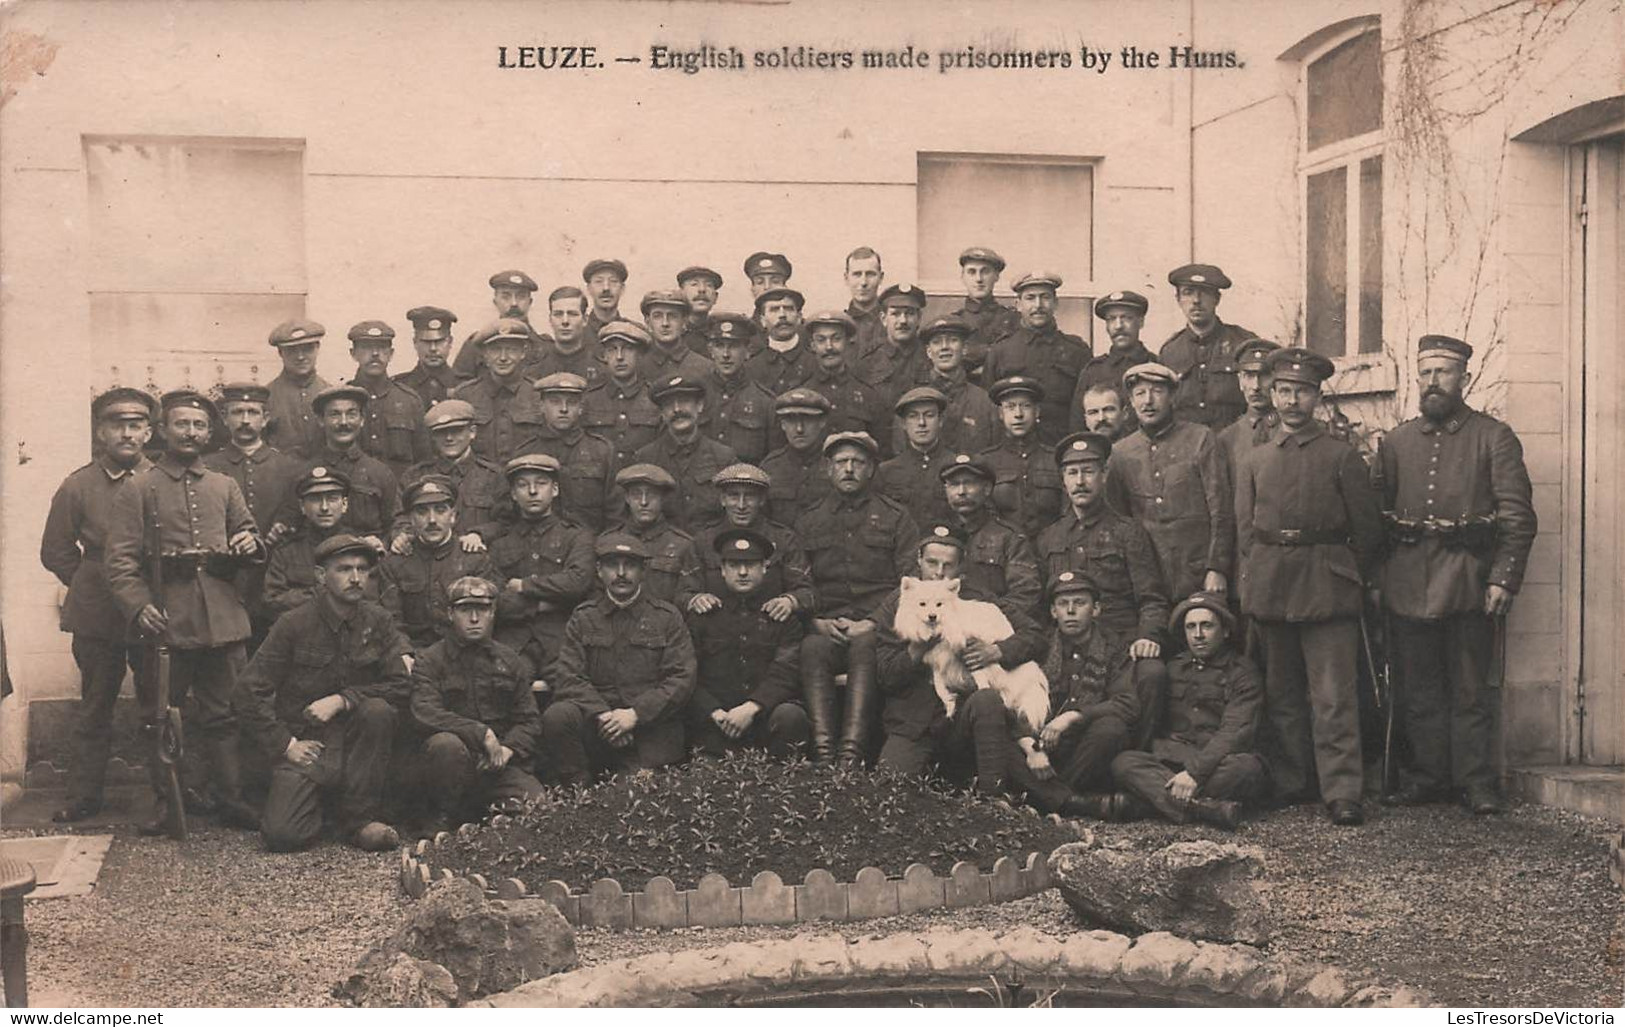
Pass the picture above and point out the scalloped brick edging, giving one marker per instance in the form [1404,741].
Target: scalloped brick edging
[1158,968]
[767,900]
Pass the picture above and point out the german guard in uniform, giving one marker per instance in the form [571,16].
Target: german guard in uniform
[700,286]
[413,587]
[686,454]
[999,561]
[1203,353]
[911,477]
[738,411]
[670,550]
[853,405]
[665,311]
[990,320]
[797,467]
[618,407]
[1026,484]
[513,293]
[743,491]
[433,377]
[586,461]
[291,425]
[543,560]
[323,498]
[784,361]
[394,428]
[1039,349]
[1254,427]
[506,407]
[1124,314]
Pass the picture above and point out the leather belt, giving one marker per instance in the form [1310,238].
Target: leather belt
[1303,537]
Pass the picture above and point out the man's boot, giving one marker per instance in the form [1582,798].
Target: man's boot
[1216,812]
[862,703]
[230,807]
[1107,806]
[818,692]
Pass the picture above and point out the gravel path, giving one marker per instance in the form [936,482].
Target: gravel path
[1514,910]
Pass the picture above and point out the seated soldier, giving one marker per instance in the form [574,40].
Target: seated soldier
[1201,765]
[797,467]
[980,735]
[911,477]
[472,696]
[543,560]
[747,678]
[321,695]
[623,676]
[1093,708]
[290,575]
[647,490]
[413,587]
[788,580]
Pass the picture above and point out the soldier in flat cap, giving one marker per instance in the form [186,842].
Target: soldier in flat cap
[543,560]
[290,425]
[911,477]
[1202,763]
[512,294]
[1172,477]
[1094,709]
[970,423]
[1310,536]
[1039,349]
[567,349]
[858,544]
[978,741]
[649,491]
[864,276]
[193,525]
[699,286]
[321,697]
[665,312]
[684,451]
[412,587]
[74,547]
[784,361]
[853,405]
[374,488]
[393,431]
[1203,353]
[891,364]
[472,703]
[1124,315]
[605,279]
[507,409]
[743,491]
[618,407]
[1456,496]
[586,460]
[623,679]
[797,467]
[767,271]
[433,377]
[748,663]
[1254,427]
[1026,483]
[322,498]
[480,485]
[999,560]
[990,320]
[738,410]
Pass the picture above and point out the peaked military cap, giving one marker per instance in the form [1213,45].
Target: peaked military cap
[603,264]
[1151,371]
[903,292]
[947,323]
[562,381]
[470,590]
[431,488]
[810,402]
[760,263]
[645,474]
[1016,383]
[296,333]
[742,474]
[449,413]
[742,544]
[540,462]
[188,398]
[123,404]
[728,326]
[625,331]
[332,392]
[1069,582]
[503,329]
[964,463]
[1253,354]
[983,254]
[941,534]
[344,544]
[1202,601]
[619,543]
[511,279]
[431,322]
[322,479]
[1083,447]
[1443,346]
[838,318]
[1297,364]
[662,298]
[699,272]
[1199,274]
[676,385]
[244,392]
[1038,279]
[780,292]
[372,331]
[862,439]
[1123,298]
[920,394]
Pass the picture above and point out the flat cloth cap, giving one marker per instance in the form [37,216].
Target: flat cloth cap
[1199,274]
[946,324]
[322,479]
[1016,383]
[1083,447]
[431,488]
[1202,601]
[609,264]
[512,279]
[449,413]
[964,463]
[296,333]
[244,392]
[619,543]
[344,544]
[469,590]
[663,298]
[1253,354]
[1297,364]
[329,394]
[983,254]
[860,439]
[1443,346]
[810,402]
[727,326]
[1071,582]
[431,322]
[539,462]
[122,404]
[1123,298]
[503,329]
[699,272]
[562,381]
[903,292]
[676,385]
[372,331]
[920,394]
[1151,371]
[625,331]
[742,474]
[761,263]
[780,292]
[742,544]
[188,398]
[1038,280]
[839,318]
[645,474]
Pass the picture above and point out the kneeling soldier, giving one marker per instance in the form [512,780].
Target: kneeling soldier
[748,676]
[624,672]
[321,693]
[1201,766]
[473,695]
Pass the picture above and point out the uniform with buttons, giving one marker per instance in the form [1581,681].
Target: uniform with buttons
[393,429]
[290,422]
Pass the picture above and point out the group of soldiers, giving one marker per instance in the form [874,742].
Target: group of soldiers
[616,543]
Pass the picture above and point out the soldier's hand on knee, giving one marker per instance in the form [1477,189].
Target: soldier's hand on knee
[325,709]
[830,628]
[738,720]
[472,543]
[1144,649]
[493,748]
[1050,737]
[302,753]
[1497,601]
[1182,786]
[779,609]
[705,602]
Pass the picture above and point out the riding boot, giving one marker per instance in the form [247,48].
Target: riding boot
[818,693]
[862,706]
[230,807]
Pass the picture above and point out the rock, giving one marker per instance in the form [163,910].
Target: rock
[488,946]
[395,980]
[1195,889]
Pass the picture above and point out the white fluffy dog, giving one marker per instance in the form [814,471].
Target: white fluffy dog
[930,611]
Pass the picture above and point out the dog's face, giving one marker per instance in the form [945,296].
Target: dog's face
[921,607]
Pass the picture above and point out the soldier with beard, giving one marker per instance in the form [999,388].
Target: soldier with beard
[512,294]
[990,320]
[1039,349]
[1106,412]
[433,378]
[1124,314]
[700,286]
[605,281]
[290,424]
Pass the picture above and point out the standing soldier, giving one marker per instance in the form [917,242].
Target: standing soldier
[605,281]
[669,550]
[1039,349]
[323,498]
[890,364]
[686,454]
[665,311]
[1254,427]
[618,407]
[863,277]
[290,425]
[512,295]
[587,461]
[797,467]
[971,421]
[394,426]
[700,286]
[374,489]
[784,361]
[767,271]
[1457,497]
[433,378]
[194,525]
[480,485]
[911,477]
[1203,353]
[623,678]
[1026,485]
[787,579]
[1124,314]
[73,548]
[738,411]
[1174,480]
[412,587]
[853,405]
[1310,537]
[543,560]
[567,350]
[999,561]
[506,407]
[990,320]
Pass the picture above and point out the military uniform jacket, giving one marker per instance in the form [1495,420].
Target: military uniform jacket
[266,476]
[695,502]
[1116,552]
[1252,428]
[1108,369]
[854,405]
[1027,485]
[1053,357]
[291,423]
[552,557]
[509,416]
[195,508]
[887,368]
[549,360]
[481,489]
[1469,466]
[1000,562]
[73,546]
[393,431]
[990,321]
[871,326]
[1178,485]
[1208,392]
[290,574]
[738,414]
[413,587]
[777,372]
[659,362]
[787,573]
[432,384]
[623,415]
[672,559]
[468,687]
[375,493]
[911,479]
[638,656]
[1309,482]
[912,709]
[322,648]
[587,473]
[695,338]
[744,655]
[1212,711]
[1090,675]
[798,480]
[970,424]
[858,547]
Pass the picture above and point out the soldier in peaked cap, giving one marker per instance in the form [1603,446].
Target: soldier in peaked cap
[797,467]
[1026,483]
[971,421]
[1203,353]
[618,406]
[433,378]
[374,488]
[784,361]
[320,500]
[891,364]
[990,320]
[512,295]
[684,451]
[623,678]
[1124,315]
[999,561]
[665,312]
[1310,535]
[854,405]
[738,410]
[393,431]
[669,550]
[73,547]
[1457,499]
[1253,428]
[1039,349]
[289,423]
[587,461]
[910,477]
[766,271]
[699,286]
[412,586]
[743,490]
[480,485]
[507,408]
[605,280]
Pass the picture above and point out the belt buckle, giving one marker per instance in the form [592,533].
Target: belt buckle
[1291,536]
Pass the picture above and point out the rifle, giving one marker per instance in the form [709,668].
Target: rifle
[1382,687]
[169,740]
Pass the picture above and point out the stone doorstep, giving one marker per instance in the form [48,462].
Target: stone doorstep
[64,865]
[1594,791]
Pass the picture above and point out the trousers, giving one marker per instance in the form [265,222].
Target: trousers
[457,786]
[784,733]
[1450,707]
[1082,763]
[1312,705]
[1239,777]
[102,663]
[976,739]
[575,752]
[349,774]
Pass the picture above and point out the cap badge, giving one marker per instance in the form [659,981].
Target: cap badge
[433,323]
[515,279]
[962,458]
[297,333]
[1115,296]
[374,332]
[1064,576]
[318,472]
[940,531]
[623,548]
[741,543]
[1080,444]
[1198,278]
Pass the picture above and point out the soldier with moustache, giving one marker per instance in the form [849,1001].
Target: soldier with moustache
[853,405]
[784,361]
[699,286]
[1026,484]
[618,407]
[290,424]
[543,560]
[1203,353]
[796,469]
[1124,313]
[999,561]
[743,491]
[1254,427]
[605,280]
[512,295]
[990,320]
[587,461]
[394,427]
[1039,349]
[507,410]
[567,349]
[738,411]
[433,377]
[322,496]
[890,364]
[412,587]
[1106,412]
[670,558]
[684,451]
[911,477]
[374,488]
